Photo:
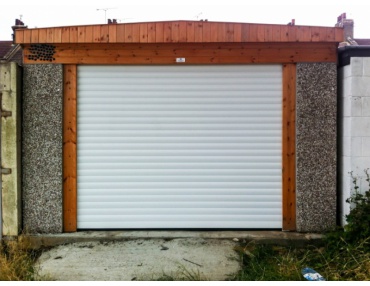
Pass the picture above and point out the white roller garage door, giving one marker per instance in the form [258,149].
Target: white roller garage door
[179,147]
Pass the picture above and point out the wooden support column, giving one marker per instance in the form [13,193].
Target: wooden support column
[289,139]
[70,148]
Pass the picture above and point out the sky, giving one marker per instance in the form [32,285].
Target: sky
[41,13]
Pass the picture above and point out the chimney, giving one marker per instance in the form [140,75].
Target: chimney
[18,25]
[347,24]
[291,23]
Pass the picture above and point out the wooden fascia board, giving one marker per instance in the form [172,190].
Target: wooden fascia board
[200,53]
[178,32]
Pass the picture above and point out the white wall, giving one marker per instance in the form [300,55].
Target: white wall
[354,80]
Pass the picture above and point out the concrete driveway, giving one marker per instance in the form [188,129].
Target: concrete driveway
[150,255]
[141,259]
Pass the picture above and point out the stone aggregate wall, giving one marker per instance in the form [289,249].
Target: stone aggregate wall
[42,142]
[316,147]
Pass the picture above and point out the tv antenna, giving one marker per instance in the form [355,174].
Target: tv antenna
[105,12]
[198,15]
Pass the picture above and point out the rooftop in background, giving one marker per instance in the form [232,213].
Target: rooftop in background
[5,47]
[363,42]
[348,29]
[10,52]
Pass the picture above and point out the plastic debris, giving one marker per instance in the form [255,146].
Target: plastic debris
[311,275]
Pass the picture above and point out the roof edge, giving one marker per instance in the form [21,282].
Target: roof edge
[346,53]
[179,32]
[173,21]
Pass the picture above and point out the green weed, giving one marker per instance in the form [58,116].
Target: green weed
[344,256]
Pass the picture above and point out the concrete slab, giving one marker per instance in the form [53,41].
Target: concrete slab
[271,237]
[141,259]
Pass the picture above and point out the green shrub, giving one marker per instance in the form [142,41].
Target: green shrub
[358,220]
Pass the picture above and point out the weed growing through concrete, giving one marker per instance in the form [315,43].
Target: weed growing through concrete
[183,274]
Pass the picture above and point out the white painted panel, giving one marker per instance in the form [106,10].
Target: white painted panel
[179,147]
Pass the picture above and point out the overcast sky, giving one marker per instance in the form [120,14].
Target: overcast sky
[37,13]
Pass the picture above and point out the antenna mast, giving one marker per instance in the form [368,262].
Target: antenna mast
[105,13]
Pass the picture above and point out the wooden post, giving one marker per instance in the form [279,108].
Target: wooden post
[289,139]
[70,148]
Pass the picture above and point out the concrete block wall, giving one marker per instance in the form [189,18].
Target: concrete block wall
[354,152]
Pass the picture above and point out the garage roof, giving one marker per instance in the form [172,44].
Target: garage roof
[179,32]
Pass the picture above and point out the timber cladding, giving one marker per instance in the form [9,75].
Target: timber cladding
[206,53]
[198,42]
[179,32]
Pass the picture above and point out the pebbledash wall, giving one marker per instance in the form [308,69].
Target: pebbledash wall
[316,147]
[315,107]
[42,142]
[354,122]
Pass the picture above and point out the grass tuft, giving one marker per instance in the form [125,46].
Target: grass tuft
[17,261]
[339,261]
[183,274]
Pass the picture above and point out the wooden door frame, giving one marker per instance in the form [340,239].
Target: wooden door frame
[70,147]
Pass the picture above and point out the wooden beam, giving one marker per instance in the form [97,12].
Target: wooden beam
[203,53]
[70,148]
[288,152]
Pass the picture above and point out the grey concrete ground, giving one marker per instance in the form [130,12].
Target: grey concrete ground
[141,259]
[149,255]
